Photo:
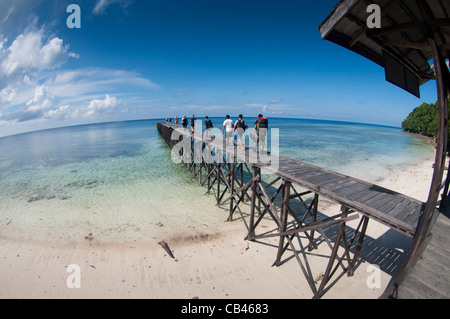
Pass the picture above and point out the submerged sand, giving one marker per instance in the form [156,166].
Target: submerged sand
[212,262]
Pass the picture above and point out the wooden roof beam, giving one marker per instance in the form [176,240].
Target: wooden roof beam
[408,26]
[447,33]
[408,44]
[362,32]
[441,4]
[413,45]
[408,39]
[339,12]
[425,9]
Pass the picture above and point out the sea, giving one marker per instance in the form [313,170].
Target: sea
[116,183]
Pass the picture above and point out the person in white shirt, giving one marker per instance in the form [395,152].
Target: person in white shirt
[228,127]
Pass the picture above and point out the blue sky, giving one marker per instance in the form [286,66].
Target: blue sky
[140,59]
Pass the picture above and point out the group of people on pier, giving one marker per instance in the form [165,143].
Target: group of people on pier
[230,128]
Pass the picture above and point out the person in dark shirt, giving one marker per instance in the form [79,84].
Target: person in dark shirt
[261,126]
[184,122]
[193,119]
[239,128]
[208,126]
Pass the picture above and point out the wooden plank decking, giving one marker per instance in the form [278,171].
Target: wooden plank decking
[430,276]
[388,207]
[391,208]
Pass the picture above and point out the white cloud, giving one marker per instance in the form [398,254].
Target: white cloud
[2,44]
[71,95]
[41,108]
[17,14]
[34,89]
[7,94]
[101,5]
[63,112]
[275,101]
[6,10]
[28,55]
[35,107]
[102,106]
[41,96]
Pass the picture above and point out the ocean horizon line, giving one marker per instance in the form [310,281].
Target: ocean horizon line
[342,122]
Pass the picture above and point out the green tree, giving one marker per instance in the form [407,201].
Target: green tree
[423,120]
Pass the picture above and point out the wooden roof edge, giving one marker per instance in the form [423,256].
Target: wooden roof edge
[339,12]
[374,49]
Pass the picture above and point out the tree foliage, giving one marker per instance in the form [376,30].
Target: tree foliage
[423,120]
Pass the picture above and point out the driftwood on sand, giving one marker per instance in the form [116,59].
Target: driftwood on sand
[166,248]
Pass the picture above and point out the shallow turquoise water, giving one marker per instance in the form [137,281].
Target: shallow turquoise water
[116,180]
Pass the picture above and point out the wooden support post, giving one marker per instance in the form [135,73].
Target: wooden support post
[326,276]
[210,170]
[443,204]
[442,75]
[200,162]
[241,167]
[232,177]
[251,231]
[315,203]
[284,214]
[218,182]
[362,234]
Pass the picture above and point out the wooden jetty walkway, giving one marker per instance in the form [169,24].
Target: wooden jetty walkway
[221,167]
[429,277]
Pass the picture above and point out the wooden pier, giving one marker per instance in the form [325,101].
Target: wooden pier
[222,169]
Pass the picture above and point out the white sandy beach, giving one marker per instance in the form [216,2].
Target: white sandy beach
[217,263]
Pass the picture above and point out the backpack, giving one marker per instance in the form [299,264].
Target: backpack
[242,124]
[263,122]
[208,124]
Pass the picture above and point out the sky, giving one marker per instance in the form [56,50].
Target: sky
[146,59]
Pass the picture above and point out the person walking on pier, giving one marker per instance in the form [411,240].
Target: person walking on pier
[261,126]
[184,121]
[239,128]
[193,119]
[208,126]
[176,120]
[228,128]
